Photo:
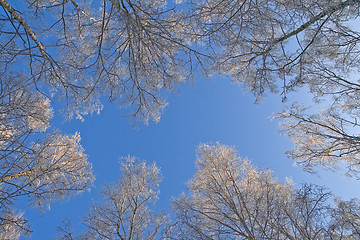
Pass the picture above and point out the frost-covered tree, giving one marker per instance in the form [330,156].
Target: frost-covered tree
[268,44]
[229,199]
[283,45]
[129,51]
[323,139]
[345,220]
[40,166]
[80,50]
[127,211]
[12,225]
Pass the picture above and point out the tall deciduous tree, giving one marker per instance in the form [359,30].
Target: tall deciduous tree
[323,139]
[130,51]
[127,210]
[79,51]
[72,52]
[43,167]
[284,45]
[261,42]
[229,199]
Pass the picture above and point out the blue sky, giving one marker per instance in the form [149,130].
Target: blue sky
[202,112]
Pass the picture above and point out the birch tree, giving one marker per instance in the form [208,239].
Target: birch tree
[127,211]
[82,52]
[282,46]
[324,139]
[272,44]
[72,52]
[40,166]
[229,199]
[79,51]
[345,221]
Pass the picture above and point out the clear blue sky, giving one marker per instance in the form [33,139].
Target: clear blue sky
[206,111]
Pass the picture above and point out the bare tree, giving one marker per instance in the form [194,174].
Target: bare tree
[71,51]
[65,231]
[322,139]
[305,215]
[345,222]
[43,167]
[12,225]
[229,199]
[272,45]
[127,210]
[261,42]
[68,50]
[128,51]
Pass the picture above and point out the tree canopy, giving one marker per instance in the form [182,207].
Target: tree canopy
[127,211]
[228,198]
[284,46]
[81,53]
[40,166]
